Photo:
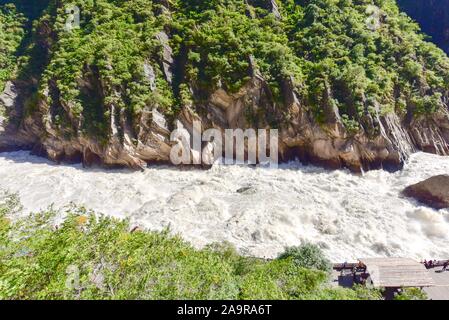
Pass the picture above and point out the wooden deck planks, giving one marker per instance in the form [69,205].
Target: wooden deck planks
[397,272]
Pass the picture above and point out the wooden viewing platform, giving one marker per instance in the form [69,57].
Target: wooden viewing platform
[393,274]
[397,273]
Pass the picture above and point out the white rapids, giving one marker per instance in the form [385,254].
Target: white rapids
[349,216]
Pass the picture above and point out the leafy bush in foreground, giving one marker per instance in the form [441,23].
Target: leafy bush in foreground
[307,256]
[411,294]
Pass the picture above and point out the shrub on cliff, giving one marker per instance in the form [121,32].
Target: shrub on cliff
[11,35]
[307,256]
[411,294]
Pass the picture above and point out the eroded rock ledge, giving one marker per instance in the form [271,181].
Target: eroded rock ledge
[300,136]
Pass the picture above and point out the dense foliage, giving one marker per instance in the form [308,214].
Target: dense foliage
[371,58]
[219,39]
[11,35]
[362,57]
[411,294]
[85,257]
[307,256]
[327,46]
[108,50]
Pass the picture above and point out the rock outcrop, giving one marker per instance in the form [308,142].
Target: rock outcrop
[12,137]
[433,192]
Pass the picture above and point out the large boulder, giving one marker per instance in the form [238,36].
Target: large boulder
[433,192]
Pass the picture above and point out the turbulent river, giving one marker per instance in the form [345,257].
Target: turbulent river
[259,210]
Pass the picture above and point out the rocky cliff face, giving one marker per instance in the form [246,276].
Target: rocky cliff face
[433,17]
[336,123]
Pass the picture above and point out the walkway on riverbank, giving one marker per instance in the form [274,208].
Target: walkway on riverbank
[441,289]
[437,288]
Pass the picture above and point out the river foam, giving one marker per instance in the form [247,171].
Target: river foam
[259,210]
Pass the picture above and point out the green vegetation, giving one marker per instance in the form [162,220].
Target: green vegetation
[411,294]
[220,37]
[329,48]
[108,50]
[388,66]
[11,35]
[307,256]
[88,257]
